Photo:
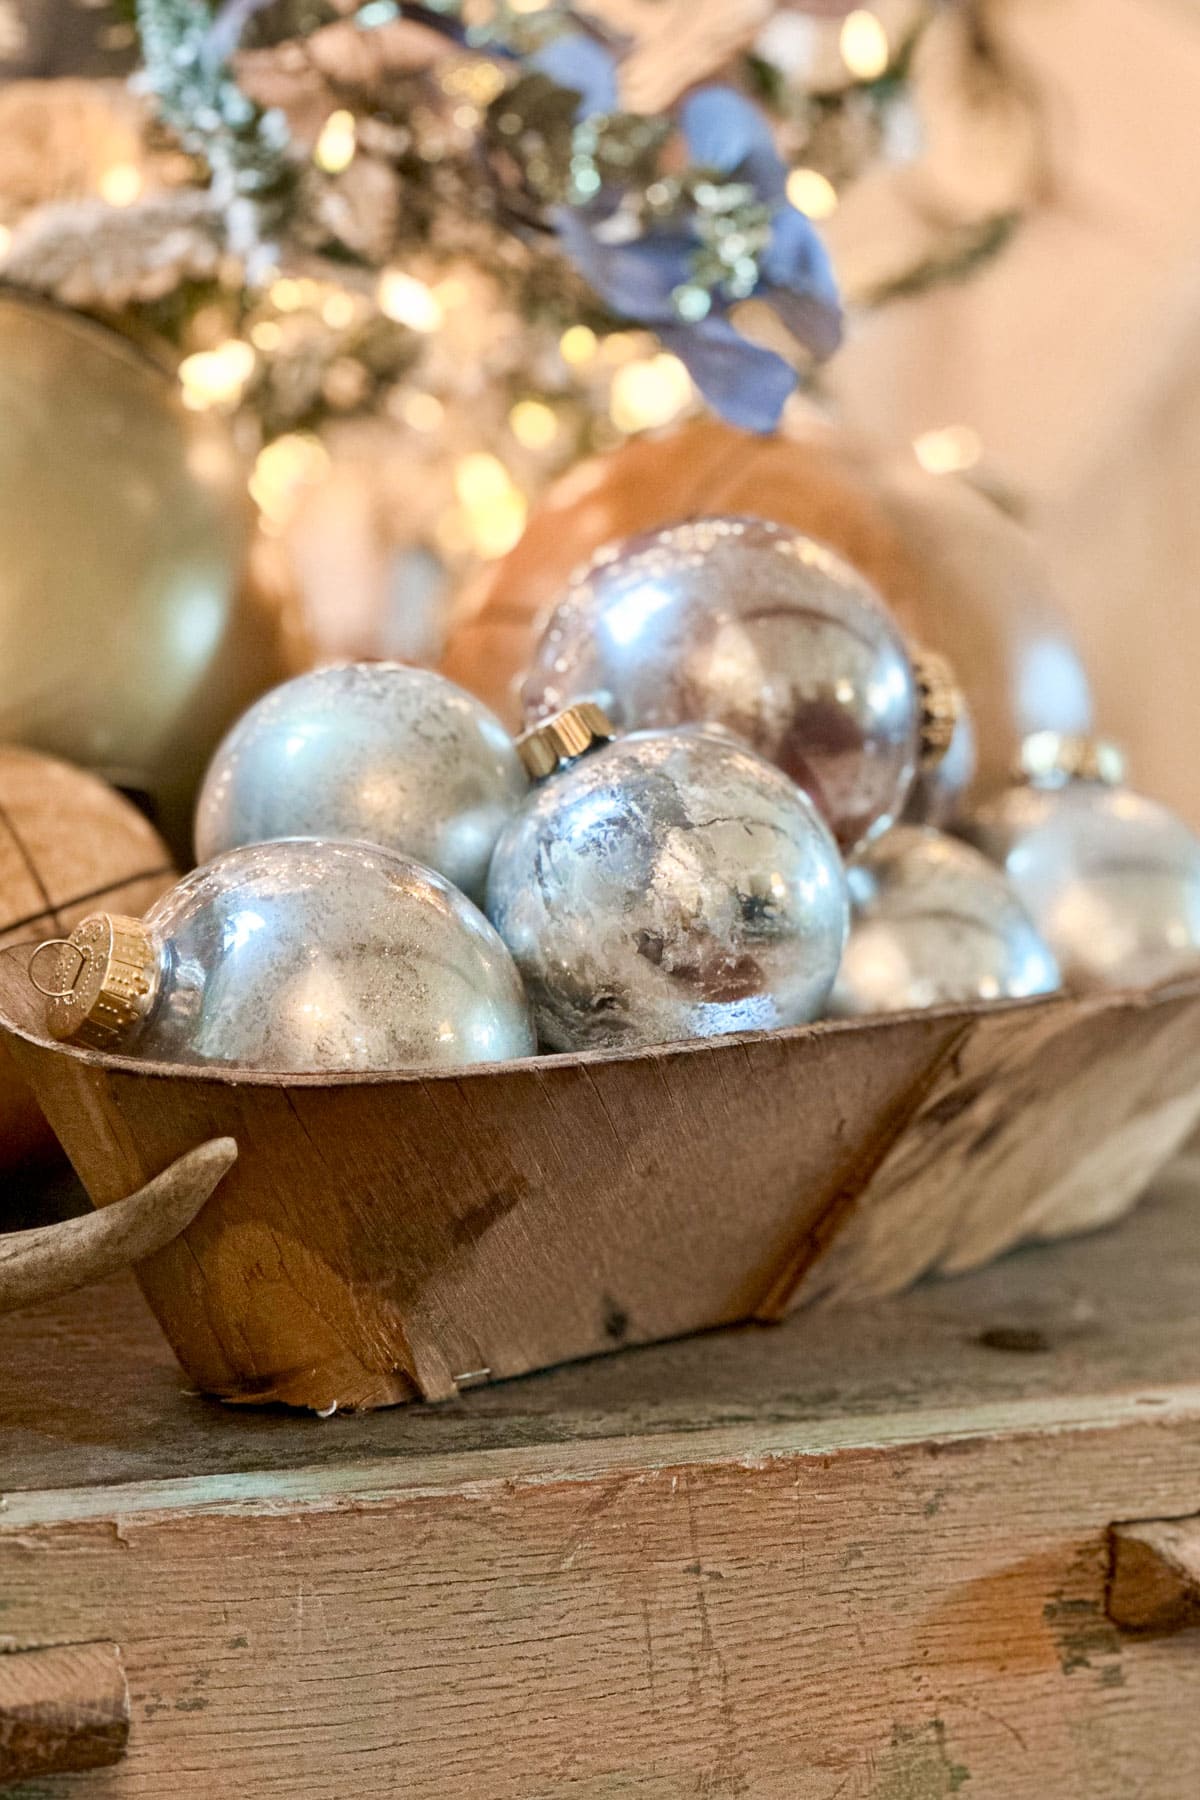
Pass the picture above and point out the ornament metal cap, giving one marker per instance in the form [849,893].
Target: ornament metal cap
[563,737]
[104,981]
[941,703]
[1052,758]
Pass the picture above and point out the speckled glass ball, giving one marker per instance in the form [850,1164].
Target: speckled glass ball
[302,955]
[755,627]
[669,885]
[933,923]
[395,756]
[1111,879]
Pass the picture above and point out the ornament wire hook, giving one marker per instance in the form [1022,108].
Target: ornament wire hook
[57,993]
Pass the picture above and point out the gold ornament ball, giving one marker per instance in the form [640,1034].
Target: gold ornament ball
[127,641]
[960,577]
[68,845]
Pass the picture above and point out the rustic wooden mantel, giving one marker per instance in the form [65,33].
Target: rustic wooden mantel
[864,1555]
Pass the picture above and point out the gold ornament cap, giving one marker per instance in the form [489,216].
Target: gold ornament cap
[1053,758]
[940,700]
[101,982]
[564,736]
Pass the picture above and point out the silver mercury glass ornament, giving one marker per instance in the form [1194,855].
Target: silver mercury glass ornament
[378,751]
[933,923]
[296,956]
[753,626]
[1111,879]
[667,885]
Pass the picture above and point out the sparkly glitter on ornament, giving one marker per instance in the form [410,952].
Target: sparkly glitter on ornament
[395,756]
[296,956]
[667,885]
[936,795]
[1111,879]
[933,923]
[755,627]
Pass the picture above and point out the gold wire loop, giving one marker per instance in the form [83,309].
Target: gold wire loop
[58,993]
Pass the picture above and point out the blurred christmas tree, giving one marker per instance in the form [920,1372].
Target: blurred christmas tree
[425,256]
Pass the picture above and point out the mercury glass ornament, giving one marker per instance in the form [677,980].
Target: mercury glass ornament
[396,756]
[1112,879]
[755,627]
[128,641]
[933,923]
[296,956]
[668,885]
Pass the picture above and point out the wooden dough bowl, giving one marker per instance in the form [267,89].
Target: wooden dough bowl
[387,1239]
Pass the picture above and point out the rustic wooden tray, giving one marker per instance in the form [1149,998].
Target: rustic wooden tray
[386,1239]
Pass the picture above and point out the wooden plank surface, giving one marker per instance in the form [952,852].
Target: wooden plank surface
[90,1395]
[860,1556]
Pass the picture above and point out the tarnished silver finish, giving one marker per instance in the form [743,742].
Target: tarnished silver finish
[378,751]
[937,793]
[302,955]
[753,626]
[1111,879]
[669,885]
[933,923]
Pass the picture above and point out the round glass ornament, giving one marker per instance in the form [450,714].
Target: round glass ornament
[297,956]
[129,635]
[392,755]
[1111,879]
[752,626]
[933,923]
[667,885]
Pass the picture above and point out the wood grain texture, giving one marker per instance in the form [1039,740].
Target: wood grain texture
[380,1239]
[62,1710]
[859,1557]
[50,1260]
[1154,1580]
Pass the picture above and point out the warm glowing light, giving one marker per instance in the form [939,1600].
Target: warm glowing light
[217,378]
[122,184]
[534,424]
[864,45]
[5,240]
[287,295]
[337,143]
[451,292]
[949,449]
[812,193]
[495,528]
[578,345]
[621,347]
[493,508]
[282,470]
[424,412]
[266,335]
[339,310]
[408,301]
[528,6]
[649,393]
[480,479]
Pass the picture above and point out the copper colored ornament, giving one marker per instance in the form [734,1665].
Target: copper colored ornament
[68,844]
[961,577]
[127,640]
